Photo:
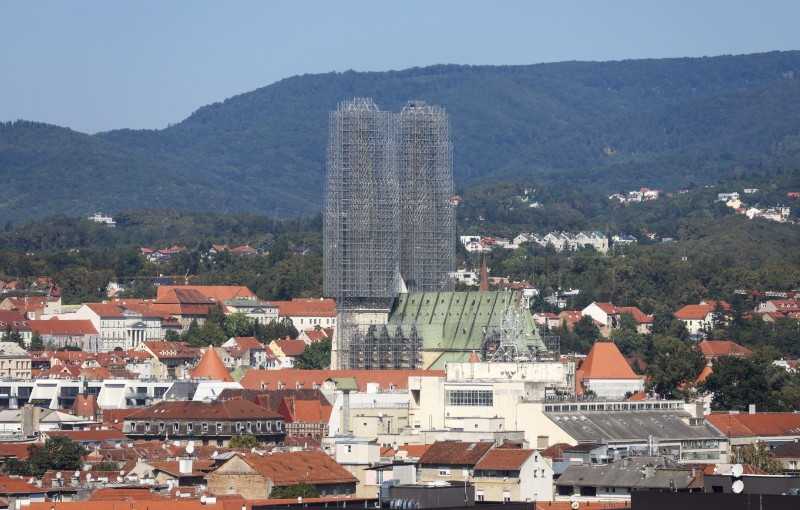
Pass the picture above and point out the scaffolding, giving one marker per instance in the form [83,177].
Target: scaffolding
[389,224]
[427,217]
[511,342]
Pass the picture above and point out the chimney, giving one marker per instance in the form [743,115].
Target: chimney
[649,471]
[346,412]
[31,417]
[751,409]
[185,466]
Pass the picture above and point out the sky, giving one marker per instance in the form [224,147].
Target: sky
[95,65]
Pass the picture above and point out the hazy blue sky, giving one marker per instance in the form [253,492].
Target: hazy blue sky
[99,65]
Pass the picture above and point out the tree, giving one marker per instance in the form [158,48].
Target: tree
[672,363]
[244,441]
[59,453]
[37,342]
[759,456]
[172,336]
[239,324]
[316,356]
[736,382]
[300,490]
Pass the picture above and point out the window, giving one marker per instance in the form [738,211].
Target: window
[444,470]
[792,464]
[147,426]
[348,448]
[176,426]
[204,426]
[479,495]
[161,426]
[238,426]
[189,427]
[506,496]
[219,426]
[249,426]
[482,398]
[258,426]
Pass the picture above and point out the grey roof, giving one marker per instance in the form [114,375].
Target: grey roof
[629,473]
[620,426]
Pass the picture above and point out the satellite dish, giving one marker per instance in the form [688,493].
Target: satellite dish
[737,487]
[190,449]
[737,470]
[58,475]
[203,499]
[575,505]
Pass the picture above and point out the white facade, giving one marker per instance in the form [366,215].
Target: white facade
[126,329]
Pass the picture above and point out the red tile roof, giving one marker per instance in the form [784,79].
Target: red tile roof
[248,342]
[759,424]
[58,327]
[716,348]
[226,409]
[306,307]
[11,485]
[124,494]
[291,348]
[211,367]
[90,435]
[505,459]
[304,411]
[693,312]
[458,453]
[305,379]
[604,361]
[14,450]
[289,468]
[215,293]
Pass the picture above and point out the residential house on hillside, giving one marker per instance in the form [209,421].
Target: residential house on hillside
[16,321]
[513,474]
[33,307]
[255,475]
[249,351]
[712,349]
[205,422]
[608,316]
[701,317]
[176,356]
[185,304]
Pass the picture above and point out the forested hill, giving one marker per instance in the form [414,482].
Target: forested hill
[609,125]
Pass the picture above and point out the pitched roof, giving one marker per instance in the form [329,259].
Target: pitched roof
[216,293]
[759,424]
[304,411]
[504,459]
[305,307]
[715,348]
[90,435]
[248,342]
[291,347]
[225,409]
[11,485]
[211,367]
[289,468]
[604,361]
[305,379]
[58,327]
[460,453]
[693,312]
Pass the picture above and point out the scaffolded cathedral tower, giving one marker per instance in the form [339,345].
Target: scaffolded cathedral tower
[389,225]
[427,220]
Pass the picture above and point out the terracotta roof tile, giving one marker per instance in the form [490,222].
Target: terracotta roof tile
[226,409]
[215,293]
[693,312]
[759,424]
[211,367]
[715,348]
[289,468]
[305,379]
[302,307]
[505,459]
[459,453]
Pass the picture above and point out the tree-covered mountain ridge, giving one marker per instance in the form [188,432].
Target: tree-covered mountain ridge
[608,126]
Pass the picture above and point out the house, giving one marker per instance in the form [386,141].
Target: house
[204,422]
[607,315]
[513,474]
[243,250]
[15,362]
[779,305]
[16,321]
[451,461]
[255,475]
[606,374]
[696,318]
[249,351]
[620,478]
[184,303]
[789,455]
[175,356]
[18,493]
[712,349]
[622,239]
[306,312]
[547,319]
[287,351]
